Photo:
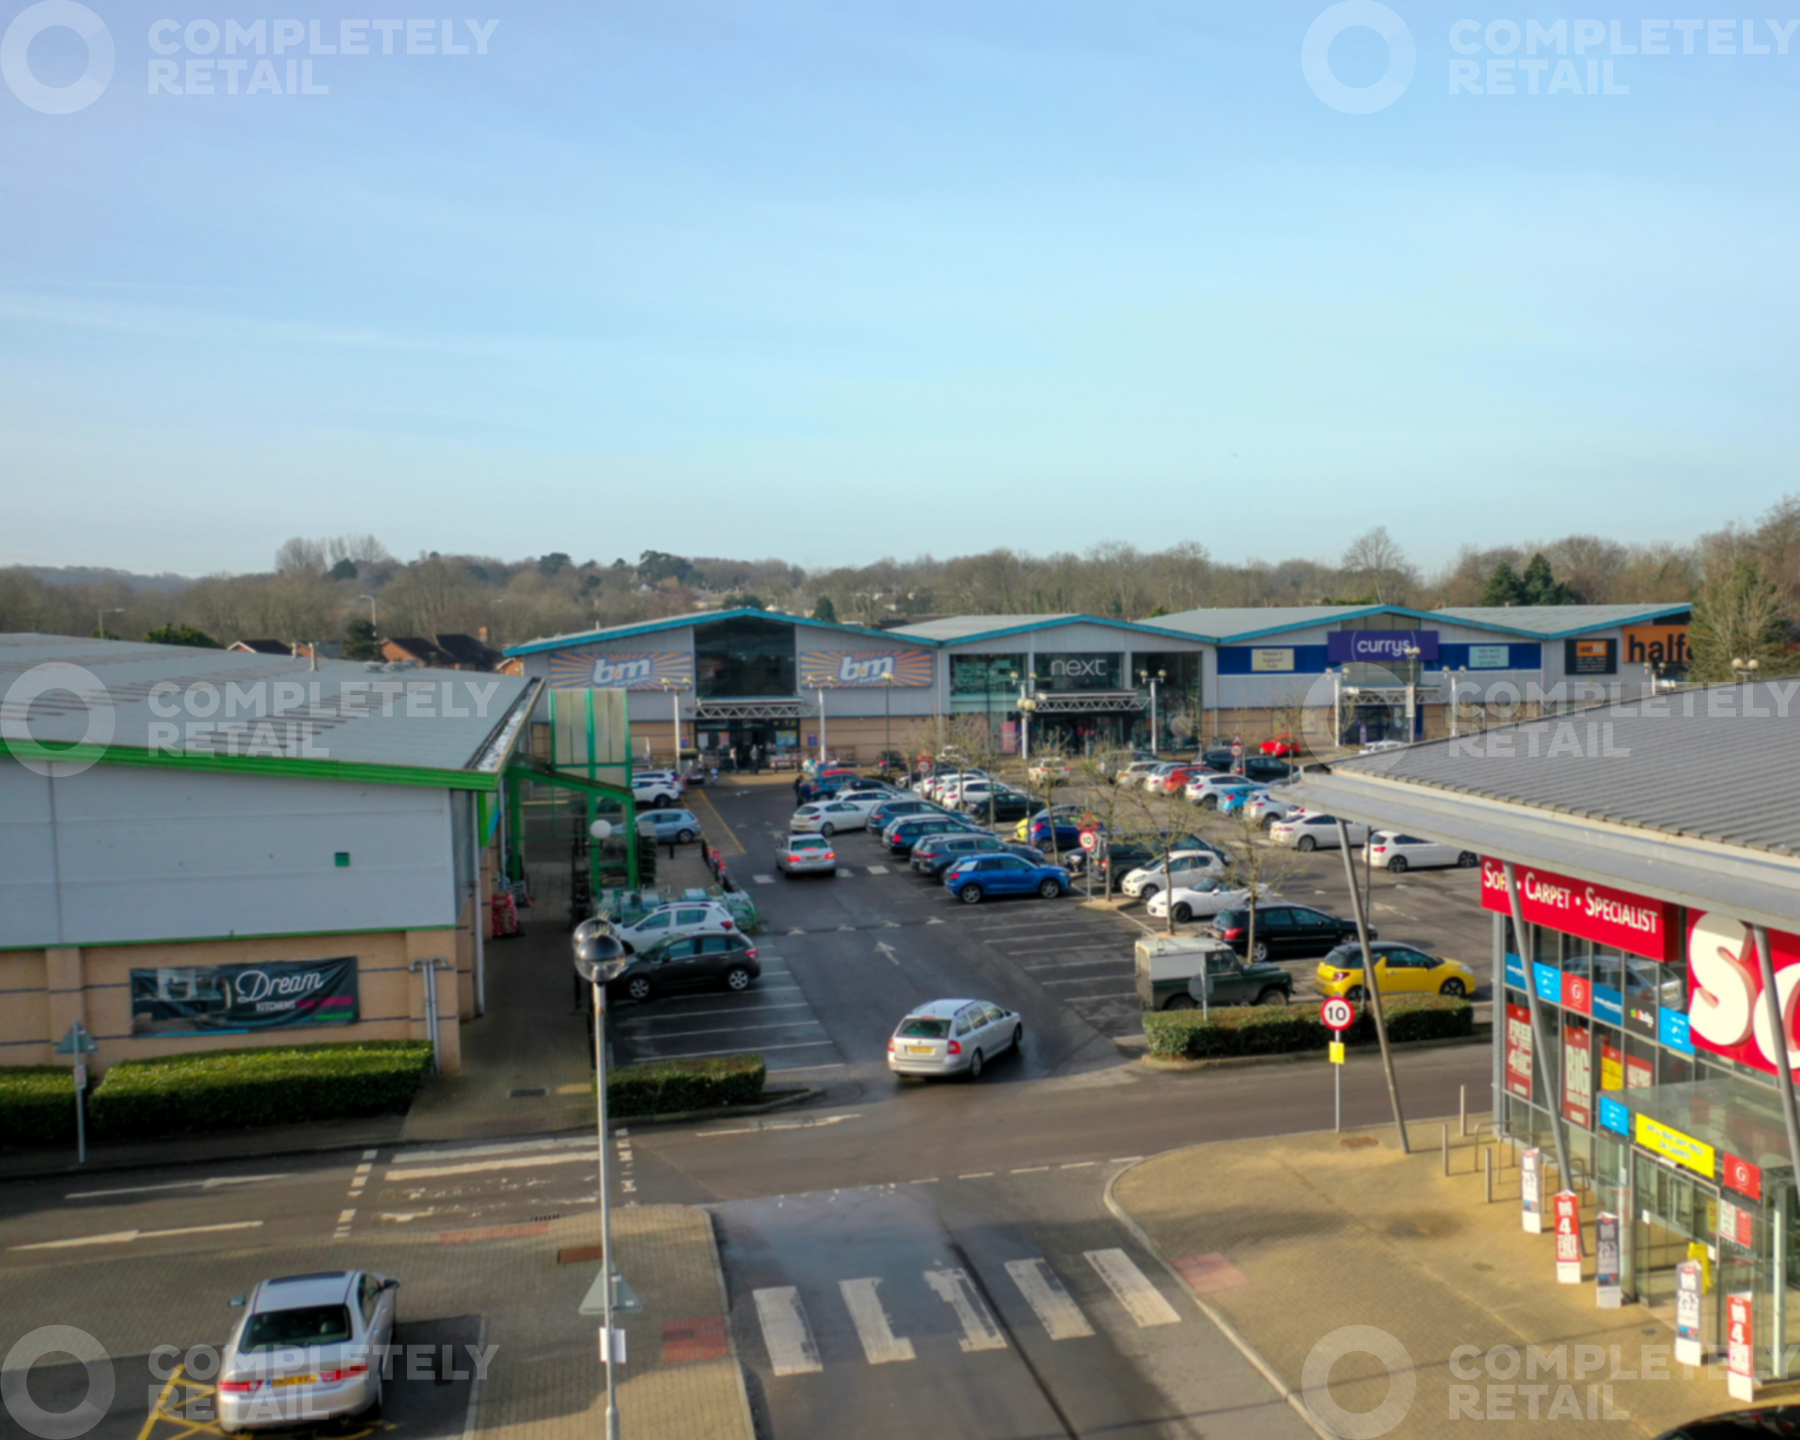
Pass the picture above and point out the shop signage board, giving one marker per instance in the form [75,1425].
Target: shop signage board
[1518,1051]
[1687,1313]
[590,666]
[1531,1190]
[1568,1237]
[1490,657]
[1726,1011]
[1578,1076]
[1615,1116]
[1671,1144]
[1738,1174]
[1380,647]
[222,999]
[1614,918]
[1612,1067]
[1656,645]
[1736,1224]
[1609,1290]
[1271,662]
[1609,1005]
[1740,1346]
[907,667]
[1590,657]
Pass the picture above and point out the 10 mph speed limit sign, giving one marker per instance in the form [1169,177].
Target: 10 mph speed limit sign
[1337,1014]
[1089,840]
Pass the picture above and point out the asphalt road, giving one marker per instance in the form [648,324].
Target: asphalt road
[931,1246]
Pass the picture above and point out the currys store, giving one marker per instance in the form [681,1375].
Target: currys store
[1645,978]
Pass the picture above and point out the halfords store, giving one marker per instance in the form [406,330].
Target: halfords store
[1646,1027]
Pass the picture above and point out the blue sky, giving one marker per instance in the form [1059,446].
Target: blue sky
[830,281]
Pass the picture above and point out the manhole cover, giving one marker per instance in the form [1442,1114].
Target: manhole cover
[1349,1142]
[530,1092]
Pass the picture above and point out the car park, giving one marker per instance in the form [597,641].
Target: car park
[953,1037]
[827,817]
[974,879]
[806,855]
[1315,832]
[1295,932]
[1175,781]
[1123,855]
[902,835]
[1169,970]
[1390,850]
[685,917]
[1399,970]
[935,854]
[689,962]
[655,790]
[1183,867]
[309,1348]
[1203,899]
[664,826]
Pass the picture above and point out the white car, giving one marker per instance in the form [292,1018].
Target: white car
[309,1348]
[1266,809]
[1042,770]
[1153,778]
[1206,790]
[1186,867]
[942,783]
[1376,747]
[1315,832]
[652,790]
[827,817]
[1390,850]
[1204,900]
[1134,773]
[683,917]
[953,1037]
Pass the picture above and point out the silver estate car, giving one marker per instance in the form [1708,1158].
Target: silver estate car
[953,1037]
[806,855]
[309,1348]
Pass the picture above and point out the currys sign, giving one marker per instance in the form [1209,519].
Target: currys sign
[1380,647]
[1615,918]
[1727,1014]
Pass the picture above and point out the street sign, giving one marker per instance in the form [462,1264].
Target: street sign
[1237,750]
[1088,821]
[76,1041]
[1337,1014]
[924,764]
[81,1078]
[1089,840]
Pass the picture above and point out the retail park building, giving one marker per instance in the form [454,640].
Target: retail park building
[729,681]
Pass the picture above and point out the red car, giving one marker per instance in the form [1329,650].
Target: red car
[1283,745]
[1175,782]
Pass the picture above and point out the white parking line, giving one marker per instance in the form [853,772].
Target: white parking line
[1142,1300]
[878,869]
[482,1167]
[731,1029]
[1043,1290]
[880,1345]
[705,1054]
[463,1152]
[125,1237]
[212,1184]
[792,1349]
[732,1010]
[763,879]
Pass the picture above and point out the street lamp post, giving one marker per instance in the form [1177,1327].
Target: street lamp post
[1028,705]
[371,600]
[599,958]
[1745,670]
[1143,676]
[821,690]
[887,704]
[675,687]
[100,620]
[1411,653]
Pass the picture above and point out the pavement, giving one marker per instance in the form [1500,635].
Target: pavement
[1359,1279]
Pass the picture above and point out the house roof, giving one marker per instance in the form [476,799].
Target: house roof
[676,622]
[227,710]
[449,650]
[1555,621]
[262,647]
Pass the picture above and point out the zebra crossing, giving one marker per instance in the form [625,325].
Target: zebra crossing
[790,1339]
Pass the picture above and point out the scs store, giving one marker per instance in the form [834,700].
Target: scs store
[1641,1028]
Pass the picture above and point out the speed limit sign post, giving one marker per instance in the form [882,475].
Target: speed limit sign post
[1337,1015]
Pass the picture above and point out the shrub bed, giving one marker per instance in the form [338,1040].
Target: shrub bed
[37,1105]
[240,1089]
[667,1087]
[1282,1029]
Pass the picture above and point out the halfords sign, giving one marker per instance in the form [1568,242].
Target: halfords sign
[1610,917]
[854,669]
[1381,647]
[587,668]
[1727,1013]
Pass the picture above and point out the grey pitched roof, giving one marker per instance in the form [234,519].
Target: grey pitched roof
[275,710]
[1559,620]
[960,627]
[1251,621]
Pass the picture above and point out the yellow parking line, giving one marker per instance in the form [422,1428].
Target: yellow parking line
[713,810]
[156,1410]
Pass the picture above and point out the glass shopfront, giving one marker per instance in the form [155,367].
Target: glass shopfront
[743,656]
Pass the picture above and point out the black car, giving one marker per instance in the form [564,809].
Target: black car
[1769,1423]
[889,810]
[690,962]
[1290,932]
[1003,805]
[914,828]
[935,854]
[1125,855]
[1218,757]
[1266,768]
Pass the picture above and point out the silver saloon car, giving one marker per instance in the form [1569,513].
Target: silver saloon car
[309,1348]
[806,855]
[953,1037]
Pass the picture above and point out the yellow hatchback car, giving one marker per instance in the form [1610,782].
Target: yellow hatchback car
[1402,970]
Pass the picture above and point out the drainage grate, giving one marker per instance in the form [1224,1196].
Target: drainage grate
[532,1092]
[544,1219]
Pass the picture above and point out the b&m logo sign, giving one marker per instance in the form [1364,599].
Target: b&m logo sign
[621,669]
[1727,1013]
[861,669]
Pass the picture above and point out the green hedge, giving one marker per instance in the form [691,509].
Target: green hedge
[240,1089]
[667,1087]
[1281,1029]
[37,1105]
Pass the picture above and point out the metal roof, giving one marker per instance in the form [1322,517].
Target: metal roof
[1555,621]
[959,629]
[235,710]
[1249,622]
[1692,796]
[676,622]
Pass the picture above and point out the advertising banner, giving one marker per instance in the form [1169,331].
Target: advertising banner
[1609,1289]
[1671,1144]
[1687,1313]
[1518,1051]
[1612,1067]
[1656,645]
[1740,1345]
[1578,1076]
[1531,1190]
[215,999]
[1614,918]
[588,665]
[907,667]
[1568,1237]
[1740,1175]
[1271,661]
[1590,657]
[1490,657]
[1380,647]
[1736,1224]
[1726,1011]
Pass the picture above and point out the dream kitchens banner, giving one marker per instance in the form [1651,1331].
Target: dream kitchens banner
[211,999]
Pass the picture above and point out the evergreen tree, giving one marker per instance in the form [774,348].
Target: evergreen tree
[172,634]
[1504,587]
[1740,615]
[360,642]
[825,610]
[1540,587]
[345,569]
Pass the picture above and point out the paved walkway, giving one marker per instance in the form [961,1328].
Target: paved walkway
[1288,1241]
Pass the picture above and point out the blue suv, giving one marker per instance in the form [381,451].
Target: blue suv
[973,880]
